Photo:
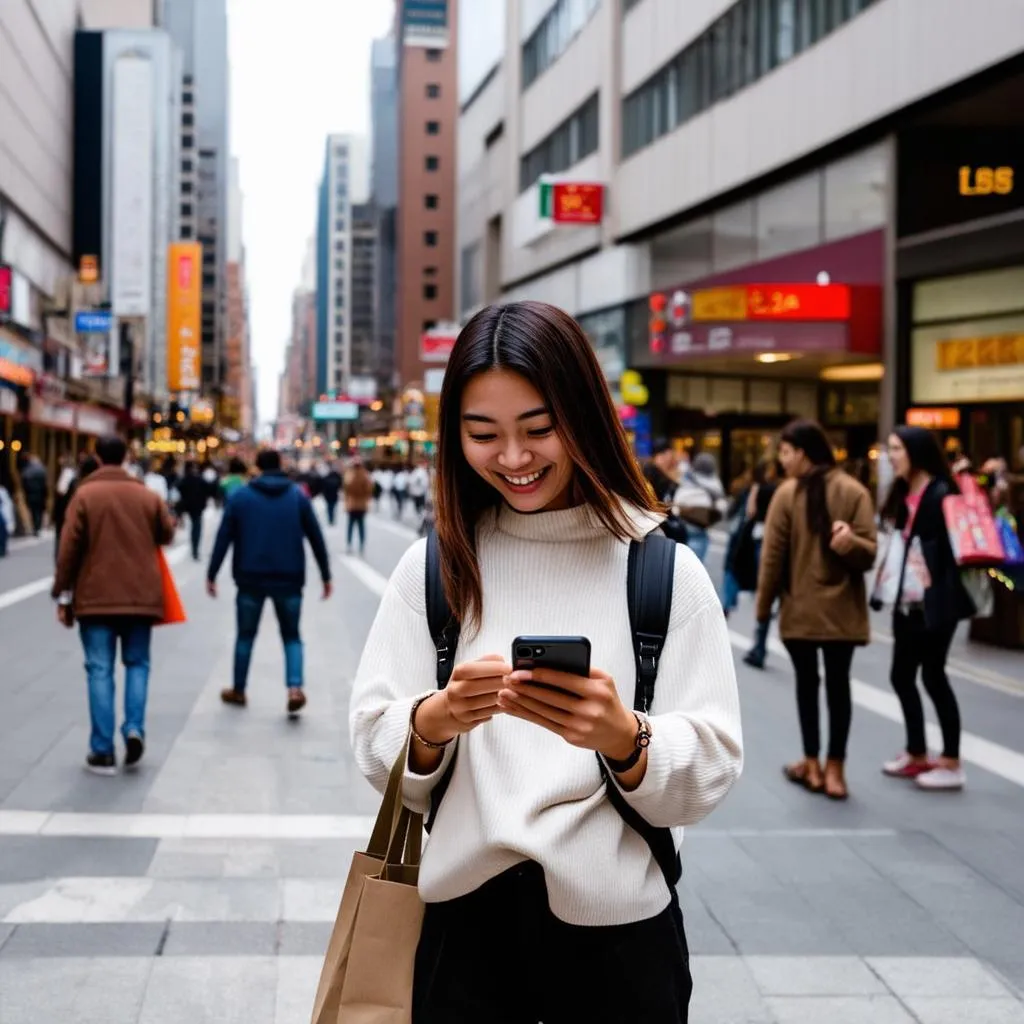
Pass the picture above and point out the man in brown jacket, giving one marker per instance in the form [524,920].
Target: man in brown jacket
[358,487]
[109,578]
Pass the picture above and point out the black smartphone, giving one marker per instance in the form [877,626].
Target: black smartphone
[562,653]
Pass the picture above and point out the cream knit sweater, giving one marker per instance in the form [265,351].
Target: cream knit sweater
[518,791]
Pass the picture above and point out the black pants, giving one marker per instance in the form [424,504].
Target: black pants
[195,522]
[917,647]
[838,655]
[37,511]
[332,510]
[357,521]
[500,956]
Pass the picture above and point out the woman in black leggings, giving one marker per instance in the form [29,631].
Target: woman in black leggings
[819,541]
[923,632]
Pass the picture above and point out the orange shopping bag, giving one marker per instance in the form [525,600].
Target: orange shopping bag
[174,610]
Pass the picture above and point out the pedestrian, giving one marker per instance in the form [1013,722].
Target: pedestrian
[6,518]
[700,502]
[400,489]
[193,494]
[155,481]
[419,485]
[766,478]
[266,522]
[108,577]
[62,492]
[35,485]
[87,465]
[387,485]
[237,476]
[923,631]
[358,487]
[538,497]
[330,488]
[819,541]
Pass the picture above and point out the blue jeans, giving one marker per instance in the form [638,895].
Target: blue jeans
[249,608]
[3,536]
[99,642]
[357,523]
[698,542]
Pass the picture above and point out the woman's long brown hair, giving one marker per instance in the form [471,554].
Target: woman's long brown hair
[549,349]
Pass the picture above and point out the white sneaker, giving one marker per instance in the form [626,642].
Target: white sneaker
[942,778]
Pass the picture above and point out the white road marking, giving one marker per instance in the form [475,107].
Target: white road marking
[27,590]
[301,827]
[367,575]
[993,757]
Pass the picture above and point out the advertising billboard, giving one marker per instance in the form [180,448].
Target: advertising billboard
[324,412]
[184,298]
[131,188]
[425,23]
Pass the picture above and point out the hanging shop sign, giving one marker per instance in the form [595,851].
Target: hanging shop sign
[89,269]
[184,338]
[6,285]
[631,386]
[97,422]
[568,202]
[933,418]
[52,414]
[19,364]
[436,344]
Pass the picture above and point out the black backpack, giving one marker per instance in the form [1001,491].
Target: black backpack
[649,582]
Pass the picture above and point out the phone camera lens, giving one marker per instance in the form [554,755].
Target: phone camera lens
[523,652]
[538,651]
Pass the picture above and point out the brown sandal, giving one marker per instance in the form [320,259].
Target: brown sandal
[806,773]
[835,782]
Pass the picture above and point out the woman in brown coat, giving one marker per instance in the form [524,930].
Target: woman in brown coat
[819,542]
[358,487]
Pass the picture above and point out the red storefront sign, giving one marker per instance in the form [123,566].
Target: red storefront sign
[436,348]
[577,203]
[5,292]
[770,302]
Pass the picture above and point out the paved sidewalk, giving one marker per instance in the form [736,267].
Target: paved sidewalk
[203,888]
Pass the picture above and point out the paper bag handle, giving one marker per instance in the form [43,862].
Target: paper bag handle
[389,818]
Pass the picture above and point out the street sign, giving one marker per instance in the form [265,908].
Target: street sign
[93,321]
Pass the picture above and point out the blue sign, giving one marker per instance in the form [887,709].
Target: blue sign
[94,322]
[425,23]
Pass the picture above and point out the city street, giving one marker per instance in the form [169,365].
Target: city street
[203,887]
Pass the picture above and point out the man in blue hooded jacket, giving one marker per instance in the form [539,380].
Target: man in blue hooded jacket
[266,522]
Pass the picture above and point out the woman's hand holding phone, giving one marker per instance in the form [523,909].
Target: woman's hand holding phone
[585,711]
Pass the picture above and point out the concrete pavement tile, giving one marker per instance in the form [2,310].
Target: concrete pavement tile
[297,979]
[6,931]
[14,895]
[214,990]
[944,1010]
[704,935]
[303,938]
[311,899]
[724,991]
[222,938]
[93,991]
[235,899]
[84,940]
[838,1010]
[938,976]
[325,858]
[24,858]
[814,976]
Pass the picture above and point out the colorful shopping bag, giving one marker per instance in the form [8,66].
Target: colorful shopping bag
[972,529]
[174,610]
[1012,547]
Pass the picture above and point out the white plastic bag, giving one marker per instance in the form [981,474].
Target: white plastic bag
[885,592]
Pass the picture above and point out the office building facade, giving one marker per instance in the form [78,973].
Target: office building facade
[751,203]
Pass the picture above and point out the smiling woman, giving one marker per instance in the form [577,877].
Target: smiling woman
[546,898]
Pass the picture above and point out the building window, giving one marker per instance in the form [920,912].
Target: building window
[186,209]
[432,163]
[433,91]
[573,140]
[339,264]
[628,5]
[187,141]
[430,201]
[187,97]
[430,239]
[188,119]
[494,134]
[430,291]
[339,225]
[434,56]
[186,166]
[339,245]
[186,232]
[468,275]
[551,38]
[433,127]
[750,39]
[430,271]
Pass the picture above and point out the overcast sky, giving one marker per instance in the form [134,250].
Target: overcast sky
[300,69]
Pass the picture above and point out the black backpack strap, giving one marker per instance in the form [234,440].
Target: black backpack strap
[650,580]
[444,631]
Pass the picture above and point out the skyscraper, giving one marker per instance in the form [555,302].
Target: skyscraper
[200,29]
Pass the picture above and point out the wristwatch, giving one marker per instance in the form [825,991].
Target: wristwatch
[643,741]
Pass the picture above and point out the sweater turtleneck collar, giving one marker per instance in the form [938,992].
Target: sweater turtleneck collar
[570,524]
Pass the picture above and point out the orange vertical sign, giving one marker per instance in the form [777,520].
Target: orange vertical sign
[184,338]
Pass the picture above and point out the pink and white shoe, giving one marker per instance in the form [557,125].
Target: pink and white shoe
[904,767]
[942,778]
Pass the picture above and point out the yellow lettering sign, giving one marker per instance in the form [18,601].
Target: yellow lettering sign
[986,181]
[972,353]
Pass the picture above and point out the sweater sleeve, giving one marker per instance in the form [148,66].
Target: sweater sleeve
[696,750]
[398,665]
